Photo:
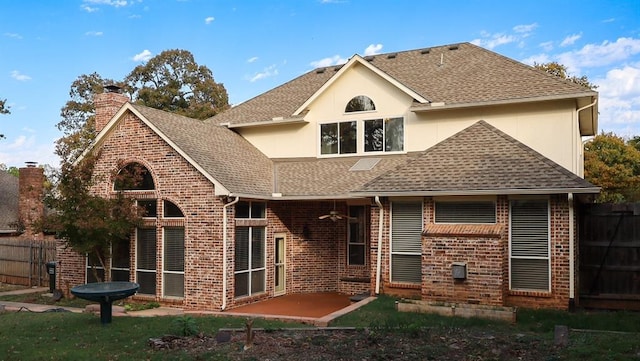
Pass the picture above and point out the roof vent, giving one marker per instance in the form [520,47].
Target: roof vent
[320,71]
[31,164]
[454,47]
[392,56]
[365,164]
[425,51]
[369,58]
[337,68]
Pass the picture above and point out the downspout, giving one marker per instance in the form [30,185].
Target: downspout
[224,252]
[571,254]
[379,260]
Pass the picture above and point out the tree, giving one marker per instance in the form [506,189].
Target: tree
[614,165]
[4,109]
[87,223]
[560,70]
[171,81]
[174,82]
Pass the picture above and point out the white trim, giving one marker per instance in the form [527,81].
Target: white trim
[351,63]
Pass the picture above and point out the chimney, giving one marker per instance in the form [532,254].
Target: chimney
[31,197]
[107,105]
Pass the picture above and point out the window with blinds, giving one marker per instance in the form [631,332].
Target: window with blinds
[173,262]
[406,242]
[465,212]
[146,260]
[529,245]
[119,259]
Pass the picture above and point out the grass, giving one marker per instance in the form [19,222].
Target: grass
[44,298]
[70,336]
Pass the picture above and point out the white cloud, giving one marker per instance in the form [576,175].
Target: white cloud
[492,41]
[24,149]
[525,29]
[334,60]
[547,45]
[19,76]
[596,55]
[252,59]
[93,33]
[537,59]
[620,100]
[13,35]
[372,49]
[267,72]
[114,3]
[88,8]
[209,20]
[570,40]
[143,56]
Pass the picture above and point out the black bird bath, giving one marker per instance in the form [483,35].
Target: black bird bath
[105,293]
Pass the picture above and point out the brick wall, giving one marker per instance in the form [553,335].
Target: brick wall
[30,200]
[485,251]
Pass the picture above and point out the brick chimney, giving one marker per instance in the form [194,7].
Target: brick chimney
[107,105]
[31,197]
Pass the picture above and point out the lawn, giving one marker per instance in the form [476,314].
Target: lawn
[381,333]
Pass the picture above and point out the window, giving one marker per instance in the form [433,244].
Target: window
[360,103]
[338,138]
[529,245]
[146,260]
[357,236]
[133,176]
[406,242]
[465,212]
[250,251]
[119,263]
[384,135]
[173,266]
[150,207]
[171,210]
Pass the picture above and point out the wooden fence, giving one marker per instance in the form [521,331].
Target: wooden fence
[609,254]
[23,262]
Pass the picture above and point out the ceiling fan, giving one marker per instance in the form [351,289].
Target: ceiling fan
[334,215]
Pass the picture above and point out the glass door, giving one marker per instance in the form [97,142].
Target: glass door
[279,262]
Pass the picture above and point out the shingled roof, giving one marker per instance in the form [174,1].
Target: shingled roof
[478,160]
[461,74]
[218,151]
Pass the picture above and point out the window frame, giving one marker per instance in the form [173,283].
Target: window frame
[462,211]
[166,272]
[404,254]
[362,231]
[546,258]
[251,270]
[339,133]
[384,121]
[153,271]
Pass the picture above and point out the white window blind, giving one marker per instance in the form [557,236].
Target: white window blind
[406,242]
[529,248]
[465,212]
[173,261]
[146,260]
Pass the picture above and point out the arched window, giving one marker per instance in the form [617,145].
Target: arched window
[171,210]
[359,103]
[134,176]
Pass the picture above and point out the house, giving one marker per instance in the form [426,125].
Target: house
[448,173]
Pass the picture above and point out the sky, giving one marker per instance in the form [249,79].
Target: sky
[252,46]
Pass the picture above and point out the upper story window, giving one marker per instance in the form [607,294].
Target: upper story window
[133,176]
[338,138]
[384,135]
[360,103]
[171,210]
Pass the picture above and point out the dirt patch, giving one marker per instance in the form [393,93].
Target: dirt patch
[359,344]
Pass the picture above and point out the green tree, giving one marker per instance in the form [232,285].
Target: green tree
[174,82]
[560,70]
[171,81]
[87,223]
[4,109]
[614,165]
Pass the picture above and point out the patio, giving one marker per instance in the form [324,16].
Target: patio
[313,308]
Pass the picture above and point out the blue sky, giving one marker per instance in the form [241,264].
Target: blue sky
[253,46]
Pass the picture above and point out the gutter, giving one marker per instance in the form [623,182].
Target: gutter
[592,190]
[224,252]
[379,259]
